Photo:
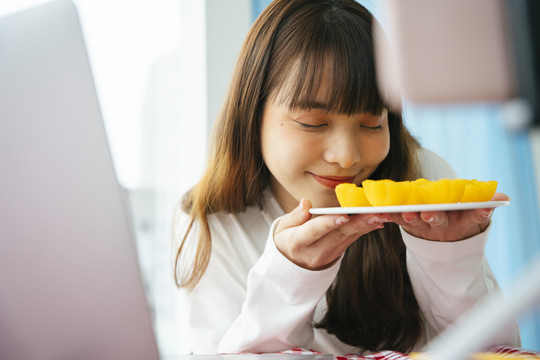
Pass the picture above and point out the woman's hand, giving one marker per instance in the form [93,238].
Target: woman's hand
[446,225]
[316,243]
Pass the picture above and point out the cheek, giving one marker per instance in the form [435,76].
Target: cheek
[277,149]
[385,147]
[280,141]
[270,134]
[377,148]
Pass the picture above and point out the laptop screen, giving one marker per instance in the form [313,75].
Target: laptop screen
[69,275]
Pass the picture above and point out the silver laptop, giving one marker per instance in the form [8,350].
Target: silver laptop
[70,286]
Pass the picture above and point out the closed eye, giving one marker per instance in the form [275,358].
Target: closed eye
[311,126]
[373,128]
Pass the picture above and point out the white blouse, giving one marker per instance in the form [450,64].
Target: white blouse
[253,299]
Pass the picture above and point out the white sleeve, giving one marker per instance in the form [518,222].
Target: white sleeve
[448,278]
[281,300]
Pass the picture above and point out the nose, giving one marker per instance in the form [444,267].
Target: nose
[343,150]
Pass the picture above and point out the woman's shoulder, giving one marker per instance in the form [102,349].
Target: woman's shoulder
[433,166]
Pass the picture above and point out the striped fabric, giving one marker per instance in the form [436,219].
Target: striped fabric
[496,353]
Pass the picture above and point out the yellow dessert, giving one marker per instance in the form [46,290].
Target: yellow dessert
[477,191]
[350,195]
[421,191]
[387,192]
[414,197]
[442,191]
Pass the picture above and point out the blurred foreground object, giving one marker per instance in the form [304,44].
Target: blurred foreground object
[441,52]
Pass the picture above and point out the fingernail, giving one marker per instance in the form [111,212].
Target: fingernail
[301,206]
[486,214]
[408,219]
[430,220]
[374,220]
[342,220]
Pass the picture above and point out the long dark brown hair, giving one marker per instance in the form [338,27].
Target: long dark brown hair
[291,47]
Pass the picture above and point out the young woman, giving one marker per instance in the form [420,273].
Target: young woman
[259,273]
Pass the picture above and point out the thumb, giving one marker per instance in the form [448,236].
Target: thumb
[500,197]
[297,217]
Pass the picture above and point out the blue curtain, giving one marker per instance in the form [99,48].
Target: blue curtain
[476,143]
[474,140]
[257,6]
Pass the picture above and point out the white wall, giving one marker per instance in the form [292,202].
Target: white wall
[185,91]
[227,25]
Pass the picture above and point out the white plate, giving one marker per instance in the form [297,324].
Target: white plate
[408,208]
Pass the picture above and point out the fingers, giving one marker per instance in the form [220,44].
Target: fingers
[315,243]
[296,217]
[435,219]
[422,221]
[482,217]
[500,197]
[334,225]
[357,226]
[322,240]
[317,227]
[447,225]
[407,219]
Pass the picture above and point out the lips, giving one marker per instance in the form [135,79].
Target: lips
[332,181]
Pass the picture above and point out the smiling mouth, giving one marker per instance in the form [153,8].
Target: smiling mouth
[332,181]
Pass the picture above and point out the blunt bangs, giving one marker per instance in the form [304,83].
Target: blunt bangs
[328,65]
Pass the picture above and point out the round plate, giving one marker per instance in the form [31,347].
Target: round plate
[408,208]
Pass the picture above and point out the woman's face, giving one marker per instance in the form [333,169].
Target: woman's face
[309,152]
